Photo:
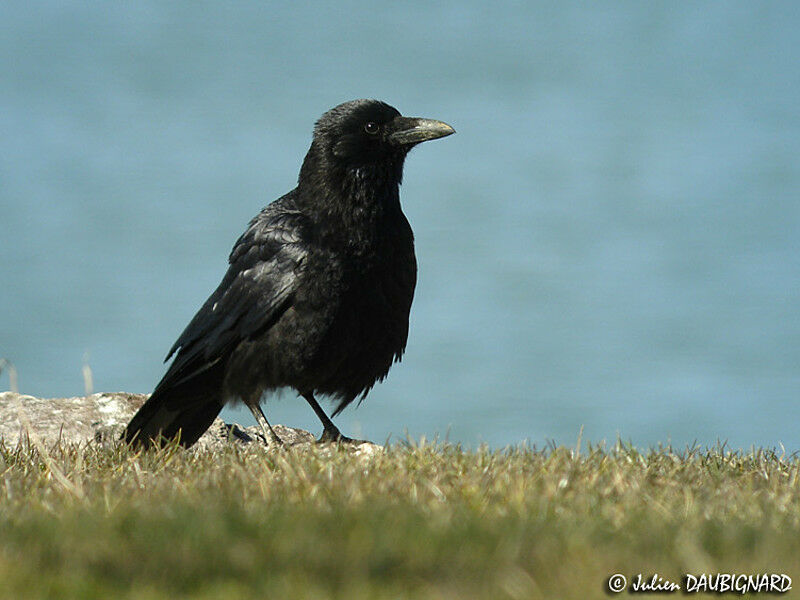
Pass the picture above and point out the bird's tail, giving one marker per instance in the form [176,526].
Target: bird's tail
[184,410]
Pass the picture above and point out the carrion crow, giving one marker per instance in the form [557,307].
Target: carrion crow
[318,291]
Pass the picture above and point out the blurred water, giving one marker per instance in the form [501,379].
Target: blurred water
[611,240]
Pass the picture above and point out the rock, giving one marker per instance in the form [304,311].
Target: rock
[221,433]
[100,418]
[72,420]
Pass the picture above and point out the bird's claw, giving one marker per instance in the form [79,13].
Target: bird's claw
[334,436]
[272,441]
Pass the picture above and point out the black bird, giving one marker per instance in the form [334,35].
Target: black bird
[318,291]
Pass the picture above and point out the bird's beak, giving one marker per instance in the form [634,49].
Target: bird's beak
[413,130]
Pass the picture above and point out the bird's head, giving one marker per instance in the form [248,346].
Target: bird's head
[363,132]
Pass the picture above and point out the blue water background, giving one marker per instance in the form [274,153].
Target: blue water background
[611,241]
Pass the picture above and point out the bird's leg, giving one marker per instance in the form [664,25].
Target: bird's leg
[269,433]
[330,432]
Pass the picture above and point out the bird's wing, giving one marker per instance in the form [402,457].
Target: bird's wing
[265,265]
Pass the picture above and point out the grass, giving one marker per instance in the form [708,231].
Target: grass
[419,521]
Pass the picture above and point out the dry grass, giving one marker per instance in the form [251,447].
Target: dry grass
[420,521]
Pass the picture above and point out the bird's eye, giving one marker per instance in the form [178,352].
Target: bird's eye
[372,128]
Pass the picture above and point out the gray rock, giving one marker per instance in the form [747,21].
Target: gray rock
[71,420]
[100,418]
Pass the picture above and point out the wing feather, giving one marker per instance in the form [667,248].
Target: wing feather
[265,265]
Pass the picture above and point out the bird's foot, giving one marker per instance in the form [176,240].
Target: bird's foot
[267,432]
[271,439]
[332,435]
[275,441]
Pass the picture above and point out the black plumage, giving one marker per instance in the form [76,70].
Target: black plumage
[318,291]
